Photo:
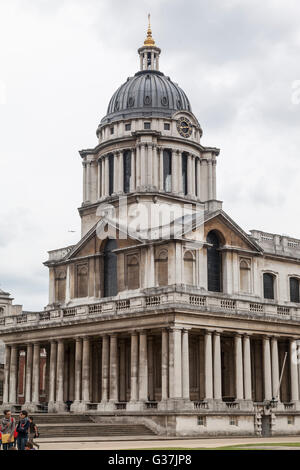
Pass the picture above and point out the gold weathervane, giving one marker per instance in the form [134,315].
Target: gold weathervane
[149,41]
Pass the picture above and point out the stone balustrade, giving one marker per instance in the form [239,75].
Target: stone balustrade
[171,296]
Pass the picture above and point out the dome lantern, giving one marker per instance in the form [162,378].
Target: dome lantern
[149,52]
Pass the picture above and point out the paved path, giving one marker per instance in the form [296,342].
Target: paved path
[93,444]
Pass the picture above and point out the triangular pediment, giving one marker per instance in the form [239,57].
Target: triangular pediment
[231,234]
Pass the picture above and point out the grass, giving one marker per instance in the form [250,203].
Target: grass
[233,447]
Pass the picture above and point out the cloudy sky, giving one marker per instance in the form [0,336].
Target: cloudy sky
[60,62]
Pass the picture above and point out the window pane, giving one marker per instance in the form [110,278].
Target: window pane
[268,286]
[294,289]
[213,264]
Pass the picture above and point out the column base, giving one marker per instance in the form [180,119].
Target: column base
[31,407]
[107,406]
[79,406]
[175,404]
[59,407]
[135,406]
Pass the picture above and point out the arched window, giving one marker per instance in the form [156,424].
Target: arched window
[60,286]
[82,280]
[167,171]
[184,174]
[268,286]
[126,171]
[111,174]
[189,262]
[245,276]
[110,269]
[214,263]
[133,272]
[294,290]
[1,311]
[161,265]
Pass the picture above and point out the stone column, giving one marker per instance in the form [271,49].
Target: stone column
[13,375]
[138,165]
[247,368]
[175,367]
[132,178]
[113,363]
[149,179]
[72,374]
[52,372]
[239,392]
[59,402]
[155,167]
[208,366]
[204,180]
[189,175]
[99,179]
[143,367]
[161,169]
[164,364]
[122,370]
[28,380]
[116,172]
[86,370]
[78,369]
[214,179]
[193,176]
[106,165]
[150,369]
[102,163]
[6,374]
[267,369]
[275,368]
[105,369]
[198,179]
[210,180]
[36,374]
[217,375]
[88,181]
[121,172]
[134,367]
[185,365]
[294,371]
[143,164]
[174,172]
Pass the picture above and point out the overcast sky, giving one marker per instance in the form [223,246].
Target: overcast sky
[60,62]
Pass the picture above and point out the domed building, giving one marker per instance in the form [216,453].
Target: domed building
[165,313]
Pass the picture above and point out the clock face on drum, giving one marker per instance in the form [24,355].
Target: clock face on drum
[184,127]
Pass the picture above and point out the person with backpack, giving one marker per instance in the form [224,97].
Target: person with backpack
[8,425]
[23,430]
[33,432]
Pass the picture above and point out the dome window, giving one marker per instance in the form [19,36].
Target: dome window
[128,126]
[130,102]
[112,130]
[164,101]
[166,126]
[147,100]
[147,125]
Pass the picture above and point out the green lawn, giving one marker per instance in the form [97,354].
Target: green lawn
[234,447]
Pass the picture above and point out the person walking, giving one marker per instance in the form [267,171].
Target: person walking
[23,430]
[8,425]
[33,432]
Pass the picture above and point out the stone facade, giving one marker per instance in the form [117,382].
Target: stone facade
[165,312]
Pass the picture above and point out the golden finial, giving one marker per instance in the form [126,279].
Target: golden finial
[149,41]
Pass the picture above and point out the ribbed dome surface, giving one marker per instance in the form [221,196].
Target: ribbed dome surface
[148,93]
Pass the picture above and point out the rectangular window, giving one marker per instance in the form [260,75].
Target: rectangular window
[111,174]
[127,127]
[111,130]
[201,420]
[268,286]
[233,421]
[184,174]
[147,125]
[294,289]
[166,126]
[291,419]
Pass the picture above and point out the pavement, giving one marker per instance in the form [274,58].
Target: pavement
[93,443]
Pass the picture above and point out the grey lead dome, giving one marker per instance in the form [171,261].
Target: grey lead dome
[148,93]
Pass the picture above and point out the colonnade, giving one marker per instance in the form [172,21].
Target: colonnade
[147,172]
[70,379]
